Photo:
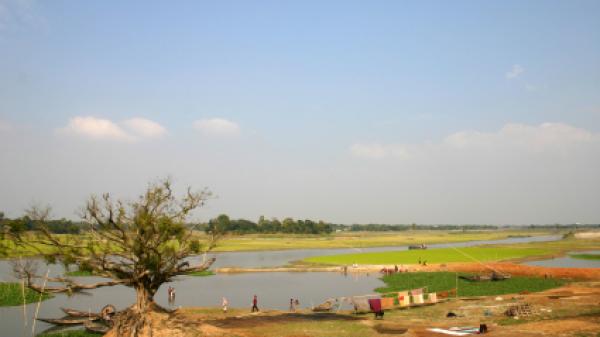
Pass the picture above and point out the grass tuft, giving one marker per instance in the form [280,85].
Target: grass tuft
[586,256]
[11,294]
[202,273]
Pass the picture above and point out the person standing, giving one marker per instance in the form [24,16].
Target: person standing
[292,307]
[255,304]
[225,303]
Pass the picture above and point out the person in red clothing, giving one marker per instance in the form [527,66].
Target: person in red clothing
[255,304]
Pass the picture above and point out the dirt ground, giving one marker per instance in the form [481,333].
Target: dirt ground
[572,310]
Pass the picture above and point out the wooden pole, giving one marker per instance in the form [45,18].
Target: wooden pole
[37,309]
[24,302]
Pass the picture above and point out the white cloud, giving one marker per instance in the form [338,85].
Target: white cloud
[512,138]
[217,127]
[104,129]
[515,72]
[144,127]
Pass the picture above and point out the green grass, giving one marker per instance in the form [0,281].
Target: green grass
[11,294]
[258,242]
[441,255]
[79,273]
[440,281]
[202,273]
[70,333]
[586,256]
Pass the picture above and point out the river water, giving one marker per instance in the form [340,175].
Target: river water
[273,289]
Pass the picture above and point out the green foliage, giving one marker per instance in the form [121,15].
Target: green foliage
[243,226]
[586,256]
[23,224]
[441,255]
[11,294]
[79,273]
[440,281]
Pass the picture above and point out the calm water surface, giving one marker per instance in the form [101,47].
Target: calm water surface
[568,262]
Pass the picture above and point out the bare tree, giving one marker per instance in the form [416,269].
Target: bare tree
[140,244]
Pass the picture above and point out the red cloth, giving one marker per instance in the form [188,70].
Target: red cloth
[375,304]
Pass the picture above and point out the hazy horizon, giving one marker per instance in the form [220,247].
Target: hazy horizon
[388,112]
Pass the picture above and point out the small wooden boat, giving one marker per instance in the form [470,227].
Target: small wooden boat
[492,277]
[476,278]
[500,277]
[78,313]
[64,321]
[96,327]
[421,246]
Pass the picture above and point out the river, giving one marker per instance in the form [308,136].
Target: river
[273,289]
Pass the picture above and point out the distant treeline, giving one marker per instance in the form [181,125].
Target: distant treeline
[391,228]
[61,226]
[288,225]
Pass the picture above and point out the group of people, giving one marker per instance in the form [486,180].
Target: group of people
[294,303]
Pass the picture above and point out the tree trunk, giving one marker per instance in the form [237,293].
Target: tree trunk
[136,320]
[144,299]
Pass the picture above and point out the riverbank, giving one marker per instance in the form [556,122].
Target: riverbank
[470,267]
[570,310]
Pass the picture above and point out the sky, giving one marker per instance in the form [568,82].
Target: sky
[428,112]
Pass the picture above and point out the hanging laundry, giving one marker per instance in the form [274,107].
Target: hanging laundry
[432,297]
[417,295]
[387,303]
[403,299]
[375,304]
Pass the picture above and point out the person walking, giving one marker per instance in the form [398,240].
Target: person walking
[255,304]
[292,306]
[225,303]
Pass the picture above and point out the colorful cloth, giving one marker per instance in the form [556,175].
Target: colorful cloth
[387,303]
[403,299]
[418,299]
[375,304]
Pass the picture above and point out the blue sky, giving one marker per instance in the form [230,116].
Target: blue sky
[338,110]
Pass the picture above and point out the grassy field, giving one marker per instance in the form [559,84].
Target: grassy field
[439,281]
[256,242]
[441,255]
[11,294]
[586,256]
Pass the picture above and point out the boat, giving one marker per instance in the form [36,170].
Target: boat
[421,246]
[65,321]
[78,313]
[476,278]
[492,277]
[96,327]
